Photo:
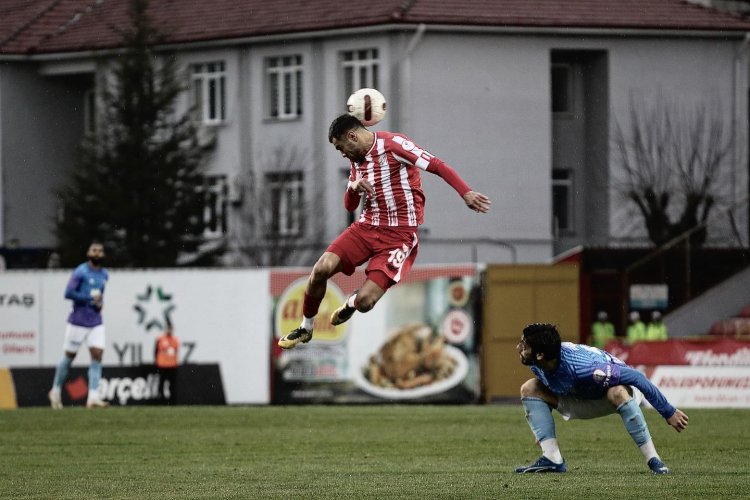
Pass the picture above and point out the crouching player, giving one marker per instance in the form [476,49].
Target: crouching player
[585,382]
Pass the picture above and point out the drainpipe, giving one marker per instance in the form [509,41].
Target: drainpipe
[405,63]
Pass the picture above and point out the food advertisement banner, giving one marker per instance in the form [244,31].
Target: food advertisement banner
[417,345]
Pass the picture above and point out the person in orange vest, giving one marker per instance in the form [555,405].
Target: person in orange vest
[166,361]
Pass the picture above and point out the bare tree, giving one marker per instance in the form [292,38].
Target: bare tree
[274,227]
[672,157]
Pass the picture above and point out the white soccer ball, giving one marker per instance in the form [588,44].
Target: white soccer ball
[367,105]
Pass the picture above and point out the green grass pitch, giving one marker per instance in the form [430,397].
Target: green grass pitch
[357,452]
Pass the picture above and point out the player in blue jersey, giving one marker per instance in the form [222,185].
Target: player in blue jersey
[86,290]
[585,382]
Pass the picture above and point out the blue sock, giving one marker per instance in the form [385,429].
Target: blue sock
[61,372]
[635,423]
[95,373]
[539,417]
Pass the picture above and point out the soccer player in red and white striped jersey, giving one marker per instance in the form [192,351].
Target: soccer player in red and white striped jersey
[385,168]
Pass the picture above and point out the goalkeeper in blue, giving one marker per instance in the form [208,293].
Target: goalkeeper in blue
[585,382]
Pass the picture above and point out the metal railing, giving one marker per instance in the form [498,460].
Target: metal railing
[684,240]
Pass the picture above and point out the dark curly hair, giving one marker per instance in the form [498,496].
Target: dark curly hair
[543,338]
[341,125]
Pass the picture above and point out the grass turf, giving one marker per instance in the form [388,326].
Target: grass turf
[361,452]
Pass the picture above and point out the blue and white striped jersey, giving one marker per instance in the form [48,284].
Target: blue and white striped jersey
[586,372]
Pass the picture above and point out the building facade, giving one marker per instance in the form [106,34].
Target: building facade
[523,105]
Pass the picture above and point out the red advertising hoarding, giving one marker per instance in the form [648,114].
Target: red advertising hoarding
[694,373]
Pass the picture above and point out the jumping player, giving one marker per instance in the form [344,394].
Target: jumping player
[385,167]
[585,382]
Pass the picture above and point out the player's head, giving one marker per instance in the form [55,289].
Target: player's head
[349,137]
[95,253]
[341,125]
[539,342]
[602,316]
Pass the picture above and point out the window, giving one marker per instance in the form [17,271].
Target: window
[562,88]
[284,86]
[286,203]
[209,92]
[562,199]
[89,111]
[360,69]
[216,191]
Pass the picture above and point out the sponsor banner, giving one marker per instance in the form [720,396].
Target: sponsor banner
[19,327]
[122,386]
[7,390]
[417,344]
[703,352]
[220,316]
[703,386]
[654,296]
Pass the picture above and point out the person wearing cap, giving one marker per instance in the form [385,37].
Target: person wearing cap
[636,328]
[602,331]
[656,329]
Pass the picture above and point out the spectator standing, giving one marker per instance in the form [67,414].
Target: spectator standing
[602,330]
[166,353]
[656,329]
[636,328]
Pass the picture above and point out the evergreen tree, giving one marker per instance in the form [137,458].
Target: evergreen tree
[137,182]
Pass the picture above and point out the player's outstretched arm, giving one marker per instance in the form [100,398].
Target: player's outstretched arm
[474,200]
[477,201]
[679,421]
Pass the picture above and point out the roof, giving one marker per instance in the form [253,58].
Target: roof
[30,27]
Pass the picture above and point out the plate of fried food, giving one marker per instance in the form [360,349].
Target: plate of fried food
[413,363]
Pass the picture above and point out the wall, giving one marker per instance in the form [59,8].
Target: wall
[490,120]
[42,120]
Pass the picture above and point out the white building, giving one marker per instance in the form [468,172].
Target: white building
[519,97]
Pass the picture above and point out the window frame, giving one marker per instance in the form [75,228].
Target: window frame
[285,213]
[284,77]
[214,218]
[90,111]
[570,85]
[208,81]
[364,65]
[567,183]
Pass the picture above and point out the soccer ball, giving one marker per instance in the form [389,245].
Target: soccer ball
[367,105]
